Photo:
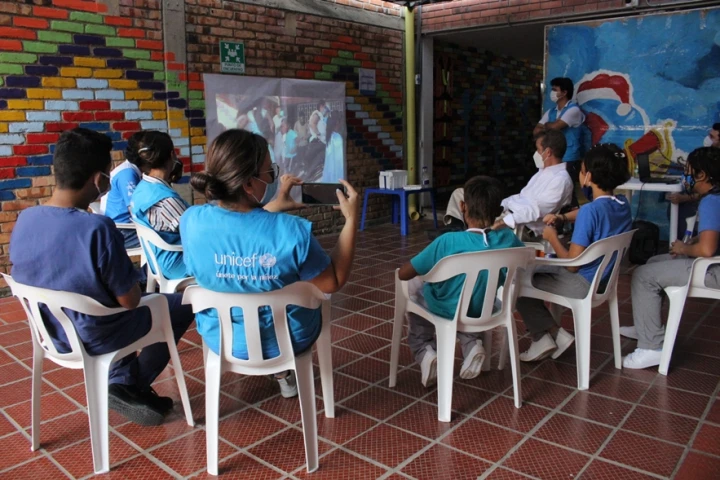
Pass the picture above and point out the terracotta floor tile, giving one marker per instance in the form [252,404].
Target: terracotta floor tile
[714,413]
[187,454]
[660,424]
[354,304]
[63,431]
[286,450]
[465,400]
[147,437]
[65,377]
[338,334]
[77,459]
[597,408]
[698,466]
[363,344]
[249,426]
[573,433]
[344,427]
[556,372]
[643,453]
[378,296]
[482,440]
[695,382]
[228,406]
[708,439]
[358,322]
[378,402]
[242,467]
[40,468]
[599,470]
[15,449]
[502,411]
[343,386]
[138,468]
[21,391]
[368,369]
[387,445]
[288,409]
[543,393]
[422,418]
[5,426]
[13,372]
[409,383]
[692,361]
[676,401]
[546,461]
[617,387]
[442,463]
[383,312]
[406,356]
[339,464]
[51,406]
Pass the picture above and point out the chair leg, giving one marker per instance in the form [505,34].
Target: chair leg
[615,327]
[179,375]
[583,318]
[324,351]
[213,372]
[400,309]
[445,363]
[488,344]
[503,351]
[675,309]
[38,356]
[96,387]
[306,392]
[514,360]
[364,211]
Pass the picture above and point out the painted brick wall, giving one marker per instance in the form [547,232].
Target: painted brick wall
[485,111]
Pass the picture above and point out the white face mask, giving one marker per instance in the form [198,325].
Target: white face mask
[554,96]
[707,141]
[539,162]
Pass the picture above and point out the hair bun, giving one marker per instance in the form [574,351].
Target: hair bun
[207,184]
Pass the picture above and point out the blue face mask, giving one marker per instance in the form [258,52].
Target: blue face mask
[270,190]
[688,183]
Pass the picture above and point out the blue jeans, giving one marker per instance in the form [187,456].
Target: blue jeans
[131,238]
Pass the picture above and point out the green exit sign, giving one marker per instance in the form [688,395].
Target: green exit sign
[232,57]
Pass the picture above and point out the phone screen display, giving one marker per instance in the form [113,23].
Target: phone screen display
[321,193]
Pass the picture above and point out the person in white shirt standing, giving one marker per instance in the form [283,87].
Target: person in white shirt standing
[548,190]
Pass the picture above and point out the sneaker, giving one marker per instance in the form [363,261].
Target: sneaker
[428,367]
[288,385]
[629,332]
[539,350]
[563,340]
[472,365]
[134,405]
[642,358]
[162,404]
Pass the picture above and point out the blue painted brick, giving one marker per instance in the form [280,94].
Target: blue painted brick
[12,93]
[114,136]
[74,50]
[185,179]
[55,60]
[89,40]
[52,148]
[40,159]
[42,70]
[151,85]
[15,183]
[120,63]
[5,195]
[107,52]
[31,172]
[3,104]
[91,83]
[23,82]
[139,75]
[120,145]
[197,122]
[177,103]
[97,126]
[166,95]
[194,113]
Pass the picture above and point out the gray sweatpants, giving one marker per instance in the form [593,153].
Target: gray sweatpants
[422,333]
[558,280]
[648,283]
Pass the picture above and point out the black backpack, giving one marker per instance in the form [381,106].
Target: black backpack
[645,242]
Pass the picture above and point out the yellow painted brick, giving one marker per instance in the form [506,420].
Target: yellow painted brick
[123,84]
[176,114]
[89,62]
[12,116]
[177,123]
[108,73]
[58,82]
[184,132]
[376,114]
[159,115]
[26,105]
[198,140]
[43,93]
[75,72]
[3,127]
[138,95]
[153,105]
[197,131]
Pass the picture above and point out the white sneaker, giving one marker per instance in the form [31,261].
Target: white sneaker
[539,350]
[563,340]
[629,332]
[642,358]
[472,365]
[288,385]
[428,367]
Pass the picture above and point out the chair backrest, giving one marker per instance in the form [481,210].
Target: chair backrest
[57,302]
[149,238]
[471,265]
[696,282]
[301,294]
[96,207]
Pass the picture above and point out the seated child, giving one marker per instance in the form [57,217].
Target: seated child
[603,169]
[480,208]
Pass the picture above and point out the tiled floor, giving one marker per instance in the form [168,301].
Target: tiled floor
[630,424]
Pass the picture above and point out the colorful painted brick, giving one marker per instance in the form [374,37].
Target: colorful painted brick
[60,61]
[86,17]
[44,93]
[77,94]
[152,105]
[120,42]
[138,95]
[137,54]
[43,116]
[77,116]
[62,105]
[91,83]
[50,82]
[32,172]
[43,138]
[40,159]
[110,94]
[89,62]
[26,105]
[24,58]
[75,72]
[150,65]
[125,105]
[108,73]
[94,105]
[66,26]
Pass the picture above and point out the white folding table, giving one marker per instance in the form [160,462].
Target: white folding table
[635,185]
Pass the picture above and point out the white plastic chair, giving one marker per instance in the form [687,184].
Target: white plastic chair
[150,238]
[470,264]
[300,294]
[95,367]
[677,295]
[582,307]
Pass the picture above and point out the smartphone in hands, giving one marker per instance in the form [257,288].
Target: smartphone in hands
[321,193]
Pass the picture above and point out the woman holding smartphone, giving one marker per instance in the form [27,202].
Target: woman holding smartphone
[237,246]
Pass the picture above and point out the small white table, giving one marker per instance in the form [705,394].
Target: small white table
[634,184]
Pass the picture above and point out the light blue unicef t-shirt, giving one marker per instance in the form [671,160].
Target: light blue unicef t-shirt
[602,218]
[124,179]
[252,252]
[442,297]
[709,215]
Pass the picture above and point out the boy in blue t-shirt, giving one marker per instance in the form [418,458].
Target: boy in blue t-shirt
[603,169]
[482,205]
[702,177]
[84,253]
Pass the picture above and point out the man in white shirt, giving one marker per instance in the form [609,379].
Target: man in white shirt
[548,190]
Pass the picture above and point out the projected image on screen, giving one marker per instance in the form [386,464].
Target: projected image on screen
[303,121]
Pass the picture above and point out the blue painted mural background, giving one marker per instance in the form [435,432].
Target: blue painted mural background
[650,84]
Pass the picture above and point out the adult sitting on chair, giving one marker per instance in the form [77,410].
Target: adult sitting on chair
[154,203]
[60,246]
[548,190]
[702,177]
[242,245]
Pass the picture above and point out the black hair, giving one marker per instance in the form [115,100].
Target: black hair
[564,84]
[716,127]
[483,198]
[706,160]
[149,149]
[555,141]
[608,165]
[79,154]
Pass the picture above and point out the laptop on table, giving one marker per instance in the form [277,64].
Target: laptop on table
[643,162]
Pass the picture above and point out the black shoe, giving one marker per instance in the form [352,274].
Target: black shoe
[163,404]
[132,404]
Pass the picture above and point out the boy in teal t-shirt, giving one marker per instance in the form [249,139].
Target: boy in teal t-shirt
[481,207]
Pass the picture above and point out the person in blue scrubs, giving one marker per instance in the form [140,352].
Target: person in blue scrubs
[155,204]
[334,151]
[84,253]
[242,243]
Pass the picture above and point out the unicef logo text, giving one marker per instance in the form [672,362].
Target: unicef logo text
[267,261]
